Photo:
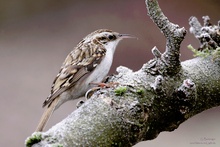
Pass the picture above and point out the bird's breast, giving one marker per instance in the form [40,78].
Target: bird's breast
[101,70]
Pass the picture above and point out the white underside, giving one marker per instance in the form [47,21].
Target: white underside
[99,73]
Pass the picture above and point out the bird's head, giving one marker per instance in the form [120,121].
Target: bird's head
[107,38]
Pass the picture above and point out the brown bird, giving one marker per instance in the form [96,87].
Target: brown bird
[89,62]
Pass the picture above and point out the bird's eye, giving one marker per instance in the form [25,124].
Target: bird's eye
[111,37]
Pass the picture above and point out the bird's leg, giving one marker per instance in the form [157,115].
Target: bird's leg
[105,85]
[91,91]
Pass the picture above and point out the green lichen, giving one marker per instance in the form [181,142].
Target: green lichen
[140,92]
[33,139]
[216,53]
[120,91]
[57,145]
[204,53]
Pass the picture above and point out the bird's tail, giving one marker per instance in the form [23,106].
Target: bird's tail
[46,115]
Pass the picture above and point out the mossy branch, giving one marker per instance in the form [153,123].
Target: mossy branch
[159,97]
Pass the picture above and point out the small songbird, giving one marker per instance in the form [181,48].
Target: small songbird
[89,62]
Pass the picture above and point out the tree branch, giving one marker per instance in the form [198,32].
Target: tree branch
[159,97]
[174,36]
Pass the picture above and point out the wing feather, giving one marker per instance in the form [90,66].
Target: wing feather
[79,63]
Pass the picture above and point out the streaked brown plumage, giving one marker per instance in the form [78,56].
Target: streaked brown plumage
[90,61]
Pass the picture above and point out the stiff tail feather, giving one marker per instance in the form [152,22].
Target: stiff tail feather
[46,115]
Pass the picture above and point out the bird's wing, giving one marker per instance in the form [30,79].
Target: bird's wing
[80,62]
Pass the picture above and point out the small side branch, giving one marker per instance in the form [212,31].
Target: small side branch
[208,34]
[159,97]
[169,63]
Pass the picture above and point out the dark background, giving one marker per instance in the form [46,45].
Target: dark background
[36,36]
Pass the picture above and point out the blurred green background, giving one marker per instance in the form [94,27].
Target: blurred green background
[36,36]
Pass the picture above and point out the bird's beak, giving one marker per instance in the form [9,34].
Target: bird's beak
[126,36]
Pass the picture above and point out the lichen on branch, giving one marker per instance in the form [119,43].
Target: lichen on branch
[208,36]
[159,97]
[169,62]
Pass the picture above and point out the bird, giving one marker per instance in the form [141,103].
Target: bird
[89,62]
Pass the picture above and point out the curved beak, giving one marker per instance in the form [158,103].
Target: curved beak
[126,36]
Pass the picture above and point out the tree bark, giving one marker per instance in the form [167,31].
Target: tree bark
[159,97]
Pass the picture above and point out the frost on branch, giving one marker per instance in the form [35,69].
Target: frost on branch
[159,97]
